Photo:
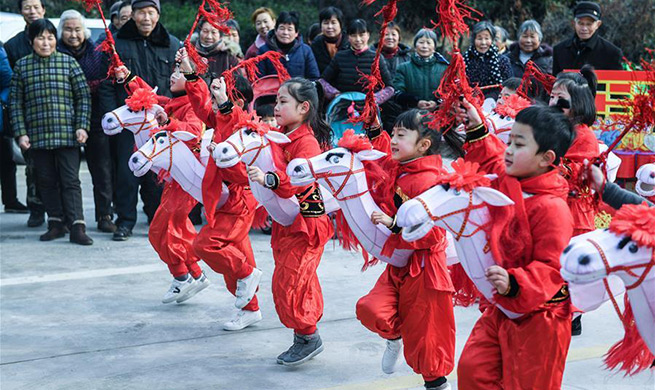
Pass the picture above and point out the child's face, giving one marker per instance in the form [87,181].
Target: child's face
[288,111]
[406,146]
[178,81]
[560,92]
[270,120]
[521,157]
[504,94]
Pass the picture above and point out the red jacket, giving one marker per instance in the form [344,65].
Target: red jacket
[549,229]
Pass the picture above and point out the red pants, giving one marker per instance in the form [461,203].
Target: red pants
[171,232]
[529,353]
[225,247]
[401,306]
[296,290]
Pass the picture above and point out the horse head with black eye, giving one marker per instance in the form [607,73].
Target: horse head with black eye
[137,115]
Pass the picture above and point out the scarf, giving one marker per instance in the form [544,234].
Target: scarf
[389,53]
[483,68]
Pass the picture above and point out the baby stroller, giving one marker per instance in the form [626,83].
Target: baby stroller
[341,109]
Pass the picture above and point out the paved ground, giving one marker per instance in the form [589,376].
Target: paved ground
[90,318]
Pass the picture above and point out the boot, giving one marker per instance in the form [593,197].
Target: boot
[78,235]
[303,349]
[106,225]
[56,229]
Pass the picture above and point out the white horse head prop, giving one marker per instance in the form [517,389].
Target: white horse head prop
[646,180]
[140,119]
[624,250]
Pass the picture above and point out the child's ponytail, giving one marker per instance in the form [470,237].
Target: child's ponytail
[582,88]
[304,90]
[448,144]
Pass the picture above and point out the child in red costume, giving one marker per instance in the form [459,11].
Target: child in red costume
[224,243]
[297,249]
[526,240]
[413,305]
[171,233]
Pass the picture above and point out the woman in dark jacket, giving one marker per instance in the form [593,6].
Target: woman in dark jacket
[298,57]
[394,51]
[529,47]
[332,38]
[211,45]
[484,66]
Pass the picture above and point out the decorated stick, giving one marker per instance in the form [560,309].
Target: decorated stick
[249,67]
[532,71]
[217,15]
[108,45]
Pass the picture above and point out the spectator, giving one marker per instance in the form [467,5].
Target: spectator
[501,39]
[50,113]
[484,66]
[416,80]
[18,47]
[332,38]
[233,39]
[148,50]
[211,45]
[394,51]
[298,57]
[74,41]
[343,73]
[530,47]
[586,46]
[7,164]
[312,32]
[114,17]
[510,86]
[123,13]
[264,20]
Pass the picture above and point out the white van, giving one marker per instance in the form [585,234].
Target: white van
[12,24]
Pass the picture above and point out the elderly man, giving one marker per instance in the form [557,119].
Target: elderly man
[586,46]
[121,12]
[148,51]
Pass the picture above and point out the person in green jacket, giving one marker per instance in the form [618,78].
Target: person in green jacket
[417,79]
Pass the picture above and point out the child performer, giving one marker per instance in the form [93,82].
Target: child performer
[526,241]
[413,304]
[224,243]
[171,233]
[297,248]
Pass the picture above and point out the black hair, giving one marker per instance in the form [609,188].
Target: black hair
[264,110]
[38,27]
[512,83]
[124,4]
[233,24]
[329,12]
[288,18]
[551,129]
[20,4]
[582,88]
[447,144]
[244,89]
[304,90]
[313,32]
[358,26]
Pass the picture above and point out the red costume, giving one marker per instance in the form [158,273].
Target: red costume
[171,233]
[414,302]
[297,248]
[580,199]
[224,243]
[529,352]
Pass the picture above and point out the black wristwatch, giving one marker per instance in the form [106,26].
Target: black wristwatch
[271,180]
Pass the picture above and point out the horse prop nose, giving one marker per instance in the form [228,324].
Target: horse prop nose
[584,260]
[135,159]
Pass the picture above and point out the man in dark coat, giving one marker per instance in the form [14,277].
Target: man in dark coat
[586,46]
[148,51]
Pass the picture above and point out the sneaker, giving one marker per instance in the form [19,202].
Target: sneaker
[36,219]
[304,348]
[106,225]
[56,229]
[576,326]
[200,284]
[243,319]
[122,234]
[16,208]
[78,235]
[246,288]
[391,355]
[179,289]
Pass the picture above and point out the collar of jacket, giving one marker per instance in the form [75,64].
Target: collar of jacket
[542,51]
[436,57]
[158,37]
[88,45]
[271,42]
[590,43]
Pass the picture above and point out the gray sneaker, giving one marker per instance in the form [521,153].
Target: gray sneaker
[303,349]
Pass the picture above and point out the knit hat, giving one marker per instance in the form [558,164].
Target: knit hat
[138,4]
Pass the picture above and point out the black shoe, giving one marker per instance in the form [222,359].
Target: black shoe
[78,235]
[16,208]
[106,225]
[122,234]
[195,215]
[35,219]
[576,326]
[303,349]
[56,229]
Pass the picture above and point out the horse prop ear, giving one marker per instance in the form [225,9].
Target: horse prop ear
[492,197]
[370,155]
[184,135]
[154,90]
[157,108]
[277,137]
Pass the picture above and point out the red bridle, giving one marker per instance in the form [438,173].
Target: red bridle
[347,174]
[146,124]
[156,153]
[467,212]
[263,145]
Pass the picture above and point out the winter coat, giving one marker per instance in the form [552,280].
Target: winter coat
[152,58]
[343,71]
[598,52]
[321,53]
[485,69]
[5,81]
[299,61]
[18,47]
[400,57]
[542,57]
[418,79]
[219,60]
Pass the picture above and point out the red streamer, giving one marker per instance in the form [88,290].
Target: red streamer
[216,14]
[249,67]
[451,19]
[532,72]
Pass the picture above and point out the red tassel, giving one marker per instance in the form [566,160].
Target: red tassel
[216,15]
[141,99]
[631,354]
[90,4]
[532,72]
[249,66]
[512,105]
[465,291]
[451,19]
[261,216]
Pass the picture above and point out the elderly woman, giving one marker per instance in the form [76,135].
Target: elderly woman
[211,45]
[264,20]
[332,38]
[394,51]
[484,66]
[74,41]
[502,39]
[530,47]
[50,113]
[416,80]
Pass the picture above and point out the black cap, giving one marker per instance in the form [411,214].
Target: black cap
[587,8]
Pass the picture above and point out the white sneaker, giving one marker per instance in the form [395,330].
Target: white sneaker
[391,354]
[200,284]
[246,288]
[179,289]
[243,319]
